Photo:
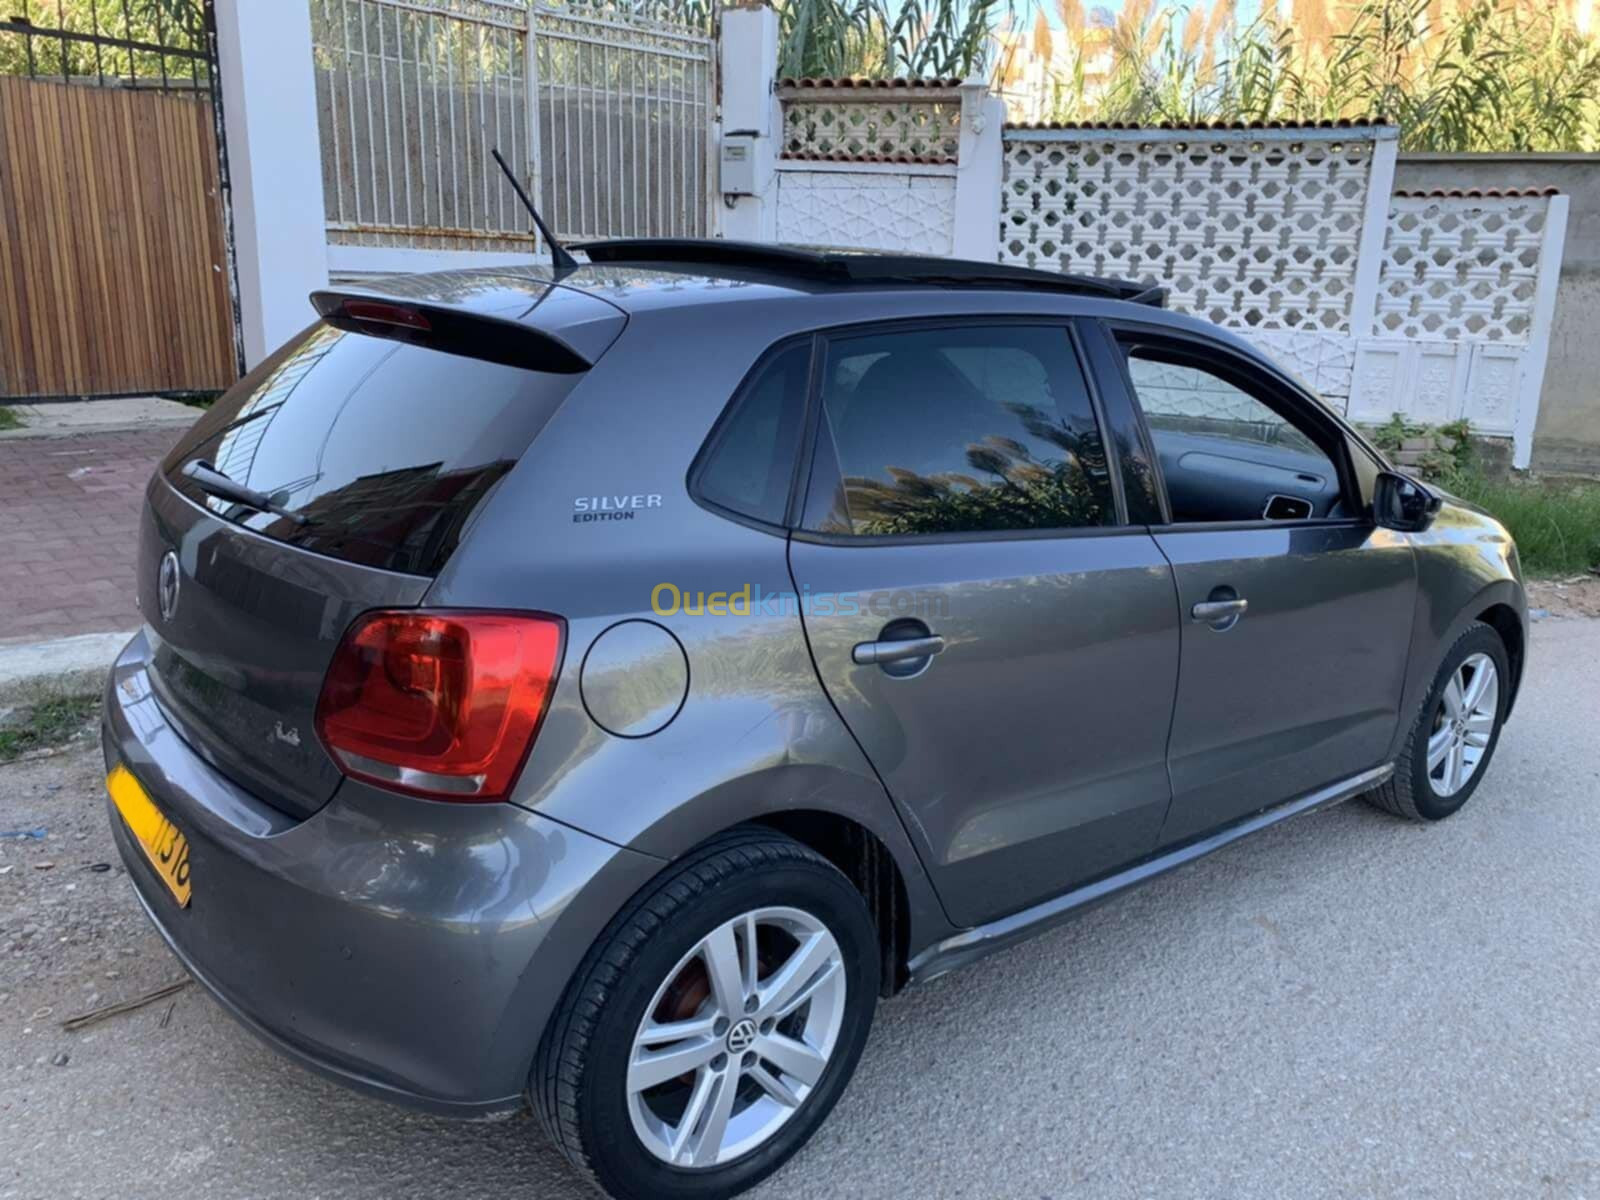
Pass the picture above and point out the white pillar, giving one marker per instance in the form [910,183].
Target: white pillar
[1531,376]
[269,108]
[980,173]
[1374,231]
[749,105]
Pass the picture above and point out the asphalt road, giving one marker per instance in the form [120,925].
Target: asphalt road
[1344,1006]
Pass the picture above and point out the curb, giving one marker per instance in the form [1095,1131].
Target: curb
[30,433]
[74,418]
[35,671]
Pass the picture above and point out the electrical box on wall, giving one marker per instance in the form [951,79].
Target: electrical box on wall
[739,163]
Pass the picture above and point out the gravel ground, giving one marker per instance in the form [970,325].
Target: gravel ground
[1572,596]
[1344,1006]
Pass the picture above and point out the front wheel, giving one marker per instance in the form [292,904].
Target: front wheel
[713,1025]
[1454,734]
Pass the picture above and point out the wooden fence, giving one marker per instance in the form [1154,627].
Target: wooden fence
[113,266]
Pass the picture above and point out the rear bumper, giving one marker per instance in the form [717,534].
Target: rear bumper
[411,949]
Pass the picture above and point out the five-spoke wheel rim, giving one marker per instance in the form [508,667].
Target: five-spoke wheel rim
[1463,725]
[736,1037]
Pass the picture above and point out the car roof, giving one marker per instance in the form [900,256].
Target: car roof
[637,273]
[793,287]
[854,268]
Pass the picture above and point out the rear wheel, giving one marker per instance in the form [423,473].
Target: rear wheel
[1454,734]
[713,1025]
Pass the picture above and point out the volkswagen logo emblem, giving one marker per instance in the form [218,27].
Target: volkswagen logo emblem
[167,581]
[741,1036]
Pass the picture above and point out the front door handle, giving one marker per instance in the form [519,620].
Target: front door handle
[1212,612]
[868,653]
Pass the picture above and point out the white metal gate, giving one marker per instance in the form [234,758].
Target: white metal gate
[625,110]
[611,117]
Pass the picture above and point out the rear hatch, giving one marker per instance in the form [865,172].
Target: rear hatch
[374,437]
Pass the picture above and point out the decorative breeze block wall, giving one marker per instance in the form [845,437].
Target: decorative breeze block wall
[1258,230]
[872,121]
[1435,306]
[1249,233]
[1166,389]
[1457,267]
[869,164]
[1463,311]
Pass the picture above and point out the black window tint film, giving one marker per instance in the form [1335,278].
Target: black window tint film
[751,461]
[965,430]
[383,450]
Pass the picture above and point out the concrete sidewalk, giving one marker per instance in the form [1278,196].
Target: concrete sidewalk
[121,415]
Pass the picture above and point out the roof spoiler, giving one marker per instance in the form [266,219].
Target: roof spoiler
[449,330]
[842,267]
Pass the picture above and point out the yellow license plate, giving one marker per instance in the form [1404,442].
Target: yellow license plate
[165,847]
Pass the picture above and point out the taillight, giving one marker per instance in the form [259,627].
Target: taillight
[381,312]
[439,703]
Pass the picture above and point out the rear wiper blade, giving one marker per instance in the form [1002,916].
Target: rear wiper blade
[214,483]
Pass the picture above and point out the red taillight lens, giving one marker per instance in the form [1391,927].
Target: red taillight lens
[442,704]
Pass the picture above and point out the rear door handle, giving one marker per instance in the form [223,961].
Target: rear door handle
[867,653]
[1211,611]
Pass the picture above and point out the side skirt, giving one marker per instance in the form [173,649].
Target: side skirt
[972,944]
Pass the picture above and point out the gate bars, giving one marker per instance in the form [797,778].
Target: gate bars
[610,115]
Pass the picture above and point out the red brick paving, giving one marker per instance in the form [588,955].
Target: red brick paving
[69,526]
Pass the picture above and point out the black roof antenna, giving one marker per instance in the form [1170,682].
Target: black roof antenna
[559,258]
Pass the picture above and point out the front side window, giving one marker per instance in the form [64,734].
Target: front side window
[959,430]
[1226,454]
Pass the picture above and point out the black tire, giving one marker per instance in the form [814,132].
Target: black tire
[1409,792]
[578,1079]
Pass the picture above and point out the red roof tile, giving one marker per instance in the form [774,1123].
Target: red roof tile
[844,156]
[1478,193]
[869,84]
[1206,126]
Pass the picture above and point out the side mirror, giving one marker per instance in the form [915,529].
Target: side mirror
[1400,502]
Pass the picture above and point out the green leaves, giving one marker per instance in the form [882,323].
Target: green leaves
[175,24]
[920,39]
[1496,75]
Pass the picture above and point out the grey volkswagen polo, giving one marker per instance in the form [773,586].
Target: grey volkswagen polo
[598,688]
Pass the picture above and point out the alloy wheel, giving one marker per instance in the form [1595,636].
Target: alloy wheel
[1463,725]
[736,1037]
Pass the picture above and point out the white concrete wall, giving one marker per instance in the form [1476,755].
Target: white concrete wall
[868,206]
[270,123]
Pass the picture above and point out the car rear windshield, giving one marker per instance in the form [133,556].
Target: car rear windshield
[383,450]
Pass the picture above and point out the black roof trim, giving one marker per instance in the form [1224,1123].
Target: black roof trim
[846,267]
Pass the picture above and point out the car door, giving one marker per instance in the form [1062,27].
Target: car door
[1001,642]
[1296,607]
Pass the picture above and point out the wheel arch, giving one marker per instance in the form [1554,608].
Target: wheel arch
[863,858]
[841,814]
[1449,601]
[844,816]
[1508,623]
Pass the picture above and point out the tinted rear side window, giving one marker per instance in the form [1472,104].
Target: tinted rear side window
[385,449]
[960,430]
[749,465]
